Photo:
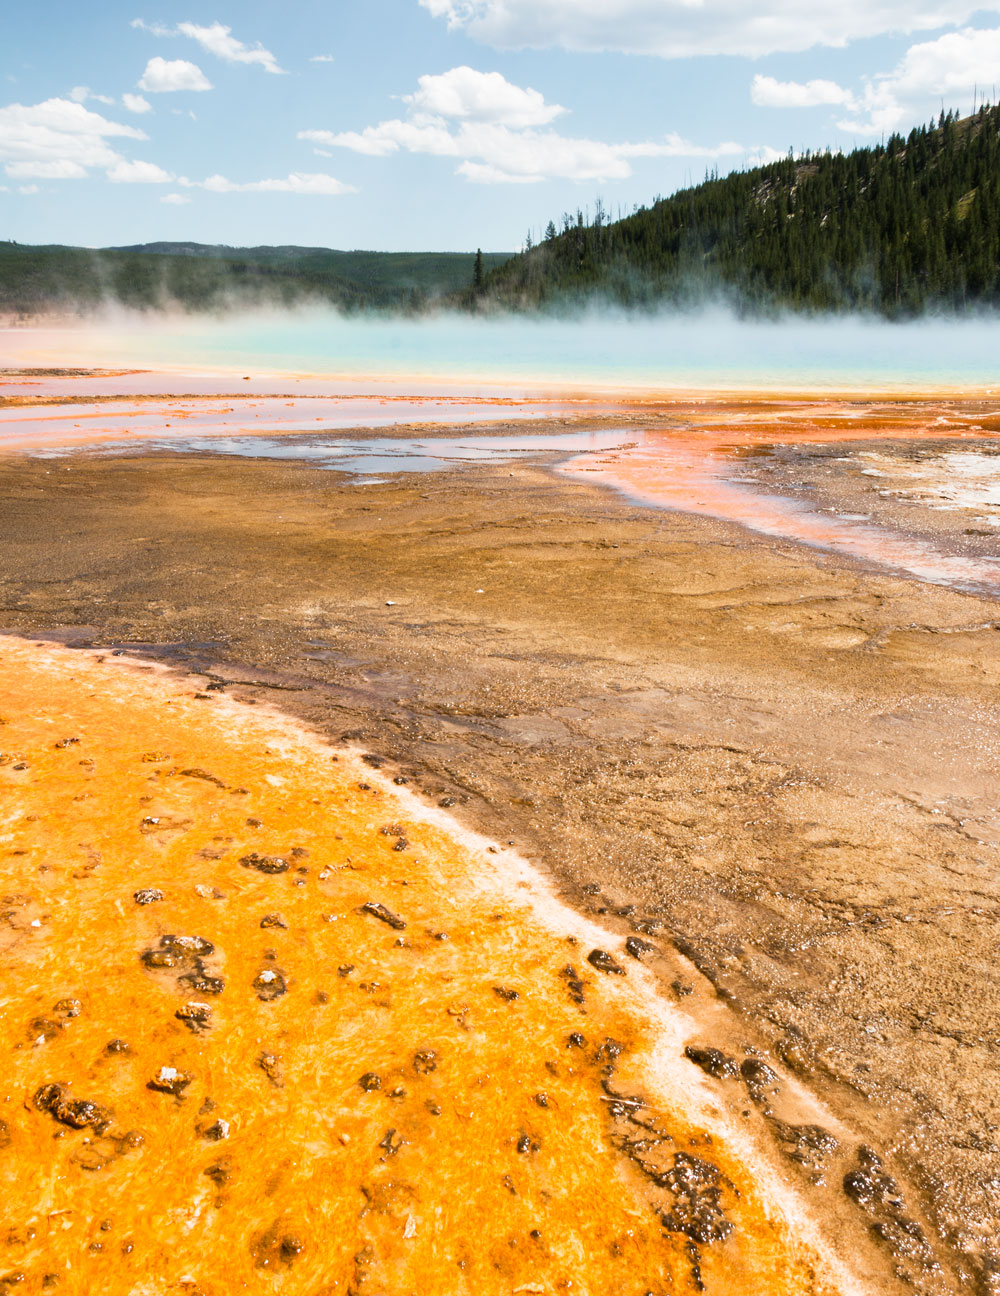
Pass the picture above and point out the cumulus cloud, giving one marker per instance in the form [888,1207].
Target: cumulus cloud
[298,182]
[58,140]
[493,130]
[469,95]
[218,40]
[174,199]
[685,28]
[80,94]
[947,69]
[138,173]
[162,76]
[136,104]
[769,93]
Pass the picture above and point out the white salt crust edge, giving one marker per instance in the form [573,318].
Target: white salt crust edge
[662,1067]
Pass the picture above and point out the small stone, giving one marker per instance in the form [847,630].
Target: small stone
[270,864]
[197,1017]
[506,993]
[216,1132]
[369,1082]
[639,948]
[273,920]
[383,914]
[170,1080]
[603,961]
[147,895]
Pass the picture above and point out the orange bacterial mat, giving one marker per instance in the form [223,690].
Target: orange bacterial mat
[270,1024]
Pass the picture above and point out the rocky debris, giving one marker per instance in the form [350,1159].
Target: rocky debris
[273,920]
[639,948]
[383,914]
[527,1145]
[603,961]
[875,1191]
[197,1017]
[576,1040]
[574,984]
[869,1186]
[270,1064]
[270,864]
[147,896]
[506,993]
[185,955]
[67,1008]
[391,1142]
[713,1062]
[370,1081]
[269,985]
[117,1046]
[425,1061]
[77,1113]
[215,1132]
[697,1210]
[276,1249]
[203,775]
[810,1146]
[758,1077]
[170,1081]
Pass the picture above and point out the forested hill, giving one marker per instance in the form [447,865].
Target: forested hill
[36,280]
[906,226]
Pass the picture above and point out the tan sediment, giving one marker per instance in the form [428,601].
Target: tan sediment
[407,1114]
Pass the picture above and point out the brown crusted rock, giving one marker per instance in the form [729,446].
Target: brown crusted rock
[603,961]
[383,914]
[77,1113]
[265,863]
[171,1081]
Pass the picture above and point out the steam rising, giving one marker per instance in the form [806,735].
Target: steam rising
[596,349]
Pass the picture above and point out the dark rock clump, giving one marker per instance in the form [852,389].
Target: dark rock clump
[379,911]
[713,1062]
[603,961]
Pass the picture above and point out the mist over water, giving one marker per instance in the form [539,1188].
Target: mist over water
[597,349]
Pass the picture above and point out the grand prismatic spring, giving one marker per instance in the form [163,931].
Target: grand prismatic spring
[497,835]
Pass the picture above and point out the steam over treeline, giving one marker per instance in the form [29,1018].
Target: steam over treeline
[198,277]
[907,226]
[897,229]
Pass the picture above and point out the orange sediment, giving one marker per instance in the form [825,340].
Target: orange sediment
[222,1073]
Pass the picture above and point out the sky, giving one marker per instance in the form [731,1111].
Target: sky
[406,125]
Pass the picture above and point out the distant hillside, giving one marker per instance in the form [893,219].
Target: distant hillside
[899,228]
[42,280]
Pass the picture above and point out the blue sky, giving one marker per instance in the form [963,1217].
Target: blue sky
[439,124]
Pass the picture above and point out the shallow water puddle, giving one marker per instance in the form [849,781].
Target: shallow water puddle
[270,1024]
[700,473]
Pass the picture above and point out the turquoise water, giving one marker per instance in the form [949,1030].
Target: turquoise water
[606,351]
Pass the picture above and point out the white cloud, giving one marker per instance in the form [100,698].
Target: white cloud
[162,76]
[946,70]
[496,154]
[136,103]
[28,189]
[80,94]
[218,40]
[322,58]
[481,96]
[138,173]
[58,140]
[769,93]
[493,135]
[685,28]
[297,183]
[174,199]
